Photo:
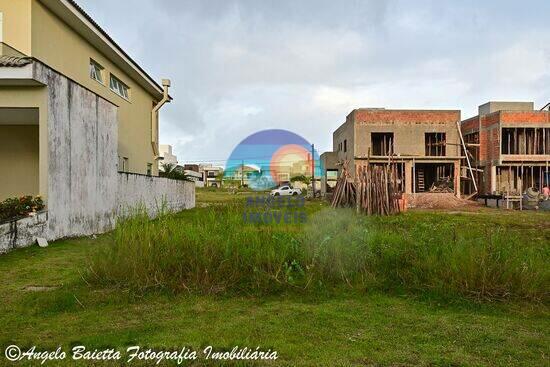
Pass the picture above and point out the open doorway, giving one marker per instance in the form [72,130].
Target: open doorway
[19,164]
[434,177]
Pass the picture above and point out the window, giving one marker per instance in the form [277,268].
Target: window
[119,87]
[522,140]
[96,71]
[211,174]
[382,143]
[345,145]
[149,169]
[435,144]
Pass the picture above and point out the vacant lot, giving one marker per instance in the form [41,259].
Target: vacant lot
[408,311]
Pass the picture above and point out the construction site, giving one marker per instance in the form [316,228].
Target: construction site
[431,158]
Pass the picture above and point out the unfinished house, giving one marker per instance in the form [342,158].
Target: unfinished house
[509,146]
[424,145]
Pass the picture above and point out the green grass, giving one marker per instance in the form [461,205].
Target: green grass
[336,326]
[212,250]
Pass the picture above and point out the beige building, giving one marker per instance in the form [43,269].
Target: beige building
[60,37]
[78,124]
[423,144]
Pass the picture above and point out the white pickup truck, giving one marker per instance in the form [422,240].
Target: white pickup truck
[285,191]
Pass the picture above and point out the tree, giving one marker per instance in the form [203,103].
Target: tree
[172,171]
[301,178]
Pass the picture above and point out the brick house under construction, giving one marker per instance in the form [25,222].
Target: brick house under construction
[423,144]
[509,145]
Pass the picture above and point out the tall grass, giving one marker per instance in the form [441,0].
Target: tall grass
[212,250]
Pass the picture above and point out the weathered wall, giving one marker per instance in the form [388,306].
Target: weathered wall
[153,193]
[85,191]
[82,157]
[22,232]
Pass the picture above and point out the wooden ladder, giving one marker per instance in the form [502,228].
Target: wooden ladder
[421,180]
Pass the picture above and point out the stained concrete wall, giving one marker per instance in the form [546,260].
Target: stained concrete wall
[82,157]
[153,193]
[23,231]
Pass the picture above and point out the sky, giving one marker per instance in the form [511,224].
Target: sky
[240,66]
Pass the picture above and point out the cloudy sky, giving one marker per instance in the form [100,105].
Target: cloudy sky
[242,66]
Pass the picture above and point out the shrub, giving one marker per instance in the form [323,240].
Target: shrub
[18,207]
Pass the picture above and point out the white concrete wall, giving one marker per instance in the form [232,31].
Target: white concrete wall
[153,193]
[82,157]
[22,232]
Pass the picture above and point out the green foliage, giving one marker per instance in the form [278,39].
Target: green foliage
[301,178]
[170,170]
[18,207]
[213,250]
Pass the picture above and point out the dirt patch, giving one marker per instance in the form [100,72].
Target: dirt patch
[439,201]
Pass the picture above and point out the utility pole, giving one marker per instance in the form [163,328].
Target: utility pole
[313,168]
[242,173]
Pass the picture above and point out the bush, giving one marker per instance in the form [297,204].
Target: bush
[213,251]
[18,207]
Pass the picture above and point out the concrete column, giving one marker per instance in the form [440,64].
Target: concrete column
[408,177]
[493,179]
[457,177]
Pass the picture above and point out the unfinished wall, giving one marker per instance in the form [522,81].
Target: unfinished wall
[409,128]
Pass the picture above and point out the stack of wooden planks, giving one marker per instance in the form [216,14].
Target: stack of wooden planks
[344,192]
[377,190]
[374,192]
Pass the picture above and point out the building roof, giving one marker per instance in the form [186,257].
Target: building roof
[14,61]
[70,12]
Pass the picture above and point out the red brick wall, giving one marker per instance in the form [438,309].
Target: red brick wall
[527,118]
[470,125]
[406,116]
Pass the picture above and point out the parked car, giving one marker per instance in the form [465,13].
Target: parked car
[285,190]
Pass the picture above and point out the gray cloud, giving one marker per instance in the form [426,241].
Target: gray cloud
[241,66]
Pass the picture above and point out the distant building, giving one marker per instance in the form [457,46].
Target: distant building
[210,175]
[166,156]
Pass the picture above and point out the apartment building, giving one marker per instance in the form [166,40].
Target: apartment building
[509,145]
[423,144]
